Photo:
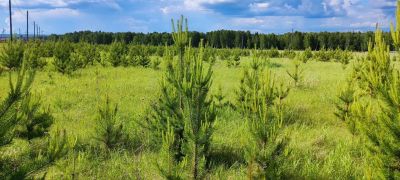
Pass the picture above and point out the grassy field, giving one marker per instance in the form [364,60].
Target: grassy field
[320,146]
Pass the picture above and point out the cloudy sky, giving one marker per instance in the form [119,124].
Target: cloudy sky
[266,16]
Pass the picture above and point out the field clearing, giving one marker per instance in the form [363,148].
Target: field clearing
[321,145]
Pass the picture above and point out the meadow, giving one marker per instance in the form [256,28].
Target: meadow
[321,146]
[128,111]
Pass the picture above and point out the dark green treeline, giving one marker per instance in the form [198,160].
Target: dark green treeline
[354,41]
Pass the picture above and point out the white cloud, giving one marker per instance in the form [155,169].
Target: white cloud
[247,21]
[259,7]
[58,3]
[198,4]
[136,25]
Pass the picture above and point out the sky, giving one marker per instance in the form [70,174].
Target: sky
[264,16]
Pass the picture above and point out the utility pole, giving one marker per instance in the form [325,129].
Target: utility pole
[291,41]
[34,30]
[27,25]
[11,31]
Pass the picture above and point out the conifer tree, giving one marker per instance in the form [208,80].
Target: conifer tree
[62,58]
[251,84]
[234,60]
[264,110]
[9,107]
[376,70]
[185,107]
[375,111]
[117,53]
[261,102]
[346,96]
[12,54]
[34,121]
[32,56]
[109,130]
[297,73]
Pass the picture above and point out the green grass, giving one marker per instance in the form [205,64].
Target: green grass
[321,146]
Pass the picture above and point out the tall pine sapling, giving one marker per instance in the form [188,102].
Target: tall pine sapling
[9,108]
[265,119]
[185,107]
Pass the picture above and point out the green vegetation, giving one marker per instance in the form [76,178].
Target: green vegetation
[182,113]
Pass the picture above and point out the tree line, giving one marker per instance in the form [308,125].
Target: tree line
[353,41]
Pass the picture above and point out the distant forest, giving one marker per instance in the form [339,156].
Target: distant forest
[354,41]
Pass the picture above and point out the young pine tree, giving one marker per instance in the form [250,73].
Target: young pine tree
[34,121]
[32,56]
[10,106]
[297,73]
[264,109]
[185,108]
[110,132]
[62,58]
[375,111]
[117,54]
[251,84]
[12,54]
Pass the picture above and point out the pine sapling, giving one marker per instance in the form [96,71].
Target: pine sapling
[9,108]
[297,73]
[110,132]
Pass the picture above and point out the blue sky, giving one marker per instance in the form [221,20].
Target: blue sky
[266,16]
